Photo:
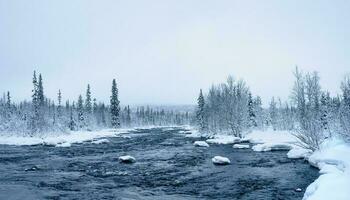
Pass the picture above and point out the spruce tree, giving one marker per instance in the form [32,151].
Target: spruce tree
[201,112]
[114,109]
[41,97]
[35,106]
[88,104]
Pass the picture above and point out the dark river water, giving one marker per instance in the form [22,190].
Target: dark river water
[167,166]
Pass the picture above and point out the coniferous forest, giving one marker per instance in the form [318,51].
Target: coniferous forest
[44,115]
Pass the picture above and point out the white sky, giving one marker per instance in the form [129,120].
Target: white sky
[163,52]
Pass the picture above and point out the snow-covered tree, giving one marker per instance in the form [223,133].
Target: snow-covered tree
[201,119]
[251,112]
[114,107]
[306,95]
[81,113]
[345,107]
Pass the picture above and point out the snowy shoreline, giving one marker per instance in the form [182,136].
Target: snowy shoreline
[66,139]
[332,160]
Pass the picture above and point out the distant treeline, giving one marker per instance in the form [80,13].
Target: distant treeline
[312,114]
[43,115]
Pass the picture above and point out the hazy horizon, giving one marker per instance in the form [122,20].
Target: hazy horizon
[163,52]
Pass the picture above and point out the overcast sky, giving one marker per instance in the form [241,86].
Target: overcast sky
[163,52]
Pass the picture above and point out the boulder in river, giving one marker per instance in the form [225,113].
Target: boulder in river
[200,144]
[219,160]
[126,159]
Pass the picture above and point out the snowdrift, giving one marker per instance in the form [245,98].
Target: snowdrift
[62,140]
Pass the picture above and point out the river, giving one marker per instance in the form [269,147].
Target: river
[167,166]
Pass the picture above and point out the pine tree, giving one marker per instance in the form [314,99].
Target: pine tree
[8,107]
[201,112]
[114,109]
[88,104]
[41,97]
[35,106]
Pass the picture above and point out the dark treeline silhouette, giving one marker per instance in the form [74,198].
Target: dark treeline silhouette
[44,115]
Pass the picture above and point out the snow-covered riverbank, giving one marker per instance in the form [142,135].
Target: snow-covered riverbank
[60,140]
[333,160]
[66,139]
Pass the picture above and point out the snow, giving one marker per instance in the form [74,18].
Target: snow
[270,136]
[65,144]
[271,140]
[126,159]
[298,152]
[100,141]
[272,147]
[219,160]
[200,144]
[61,139]
[223,139]
[333,160]
[241,146]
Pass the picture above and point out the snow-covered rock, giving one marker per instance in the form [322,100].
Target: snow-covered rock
[200,144]
[219,160]
[241,146]
[101,141]
[223,139]
[126,159]
[65,144]
[298,152]
[272,147]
